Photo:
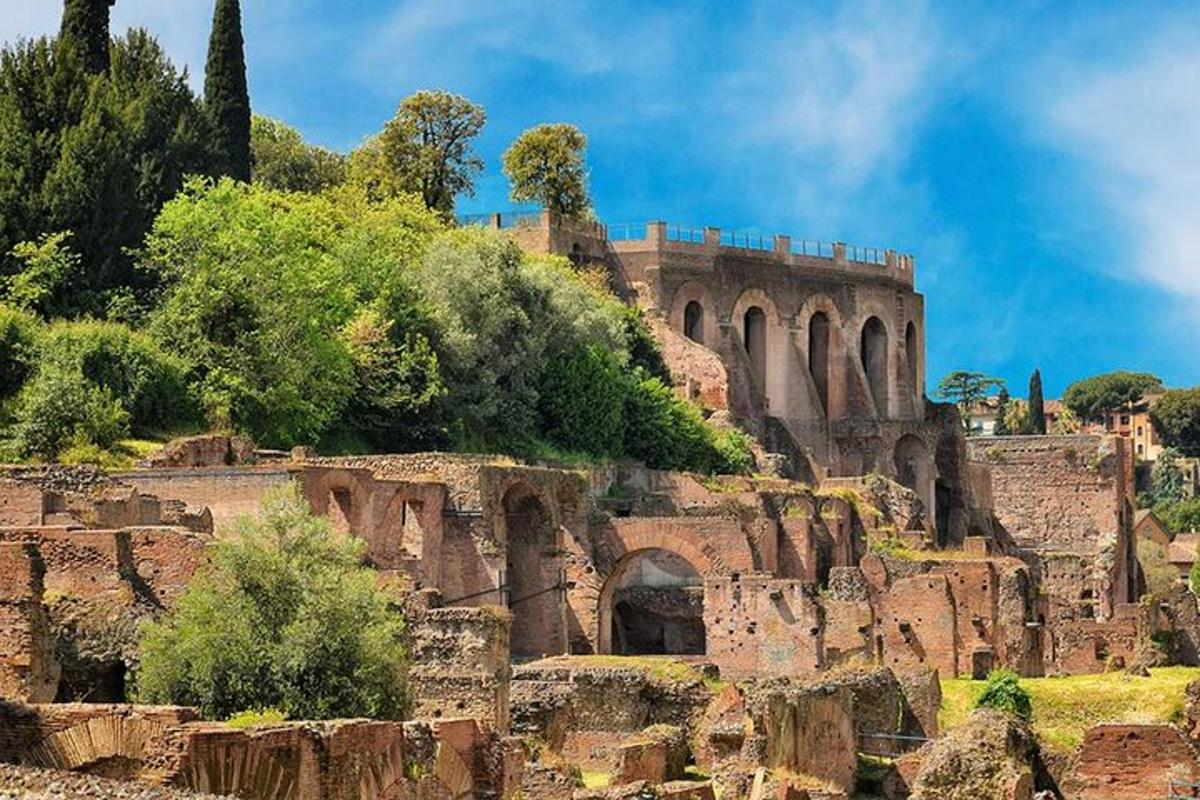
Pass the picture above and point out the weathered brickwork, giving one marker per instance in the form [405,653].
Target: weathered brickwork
[29,670]
[1131,762]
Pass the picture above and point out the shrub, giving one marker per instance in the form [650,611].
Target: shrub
[1003,691]
[58,408]
[147,382]
[18,331]
[255,718]
[285,616]
[581,401]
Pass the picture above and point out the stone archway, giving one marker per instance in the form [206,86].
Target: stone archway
[533,574]
[656,600]
[111,746]
[693,321]
[818,356]
[873,352]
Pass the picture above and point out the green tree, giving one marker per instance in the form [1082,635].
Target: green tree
[1176,418]
[546,165]
[85,30]
[283,615]
[18,350]
[1002,402]
[1016,419]
[1067,423]
[1003,691]
[426,149]
[1194,574]
[1091,398]
[966,390]
[259,288]
[1166,478]
[1182,516]
[581,401]
[226,94]
[48,269]
[1037,405]
[58,408]
[284,161]
[96,155]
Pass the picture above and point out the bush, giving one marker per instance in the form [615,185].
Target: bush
[147,382]
[58,408]
[581,402]
[254,718]
[18,331]
[1003,692]
[283,616]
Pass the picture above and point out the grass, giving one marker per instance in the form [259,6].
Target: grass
[1064,708]
[594,779]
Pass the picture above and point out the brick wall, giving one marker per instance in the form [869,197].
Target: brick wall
[1131,762]
[28,669]
[460,664]
[762,626]
[228,492]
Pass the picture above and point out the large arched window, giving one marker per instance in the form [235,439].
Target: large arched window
[818,356]
[754,339]
[874,351]
[911,354]
[693,322]
[531,575]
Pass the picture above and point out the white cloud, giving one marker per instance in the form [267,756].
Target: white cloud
[1135,131]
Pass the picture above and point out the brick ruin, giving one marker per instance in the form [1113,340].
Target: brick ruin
[764,630]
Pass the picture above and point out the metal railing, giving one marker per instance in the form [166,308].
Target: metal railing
[747,241]
[473,219]
[809,247]
[866,255]
[628,232]
[513,219]
[682,233]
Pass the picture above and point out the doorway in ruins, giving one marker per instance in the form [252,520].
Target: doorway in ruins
[533,576]
[653,604]
[874,353]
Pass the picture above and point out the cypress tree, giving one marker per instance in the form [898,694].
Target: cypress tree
[1001,428]
[1037,405]
[85,29]
[226,96]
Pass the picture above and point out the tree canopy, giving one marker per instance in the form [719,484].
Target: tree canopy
[546,165]
[966,390]
[226,94]
[1176,418]
[1091,398]
[426,149]
[284,161]
[85,30]
[284,615]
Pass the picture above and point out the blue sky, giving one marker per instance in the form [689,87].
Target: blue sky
[1040,159]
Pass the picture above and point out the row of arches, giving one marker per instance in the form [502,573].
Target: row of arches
[756,338]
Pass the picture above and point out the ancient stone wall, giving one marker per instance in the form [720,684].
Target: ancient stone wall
[763,626]
[460,664]
[1131,762]
[29,670]
[228,492]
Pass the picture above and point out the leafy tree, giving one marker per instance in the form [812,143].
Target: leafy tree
[284,161]
[426,149]
[1091,398]
[581,401]
[966,390]
[85,30]
[1003,691]
[48,270]
[1161,576]
[18,349]
[1176,418]
[1002,402]
[96,155]
[1037,405]
[546,165]
[1166,478]
[226,94]
[283,616]
[58,408]
[259,287]
[1194,574]
[1016,419]
[1067,423]
[1182,516]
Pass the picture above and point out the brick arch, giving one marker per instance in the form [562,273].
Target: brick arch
[694,292]
[341,494]
[98,740]
[505,487]
[767,358]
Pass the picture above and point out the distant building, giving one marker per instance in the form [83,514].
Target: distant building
[1182,552]
[1134,424]
[1147,525]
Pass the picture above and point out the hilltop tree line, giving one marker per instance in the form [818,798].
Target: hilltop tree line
[174,263]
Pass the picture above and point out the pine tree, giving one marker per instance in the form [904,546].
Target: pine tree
[1037,405]
[85,28]
[226,96]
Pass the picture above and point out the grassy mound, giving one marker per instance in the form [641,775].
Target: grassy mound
[1064,708]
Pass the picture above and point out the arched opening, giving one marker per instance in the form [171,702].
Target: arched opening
[533,576]
[693,322]
[818,356]
[914,468]
[754,339]
[912,356]
[655,602]
[340,509]
[874,352]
